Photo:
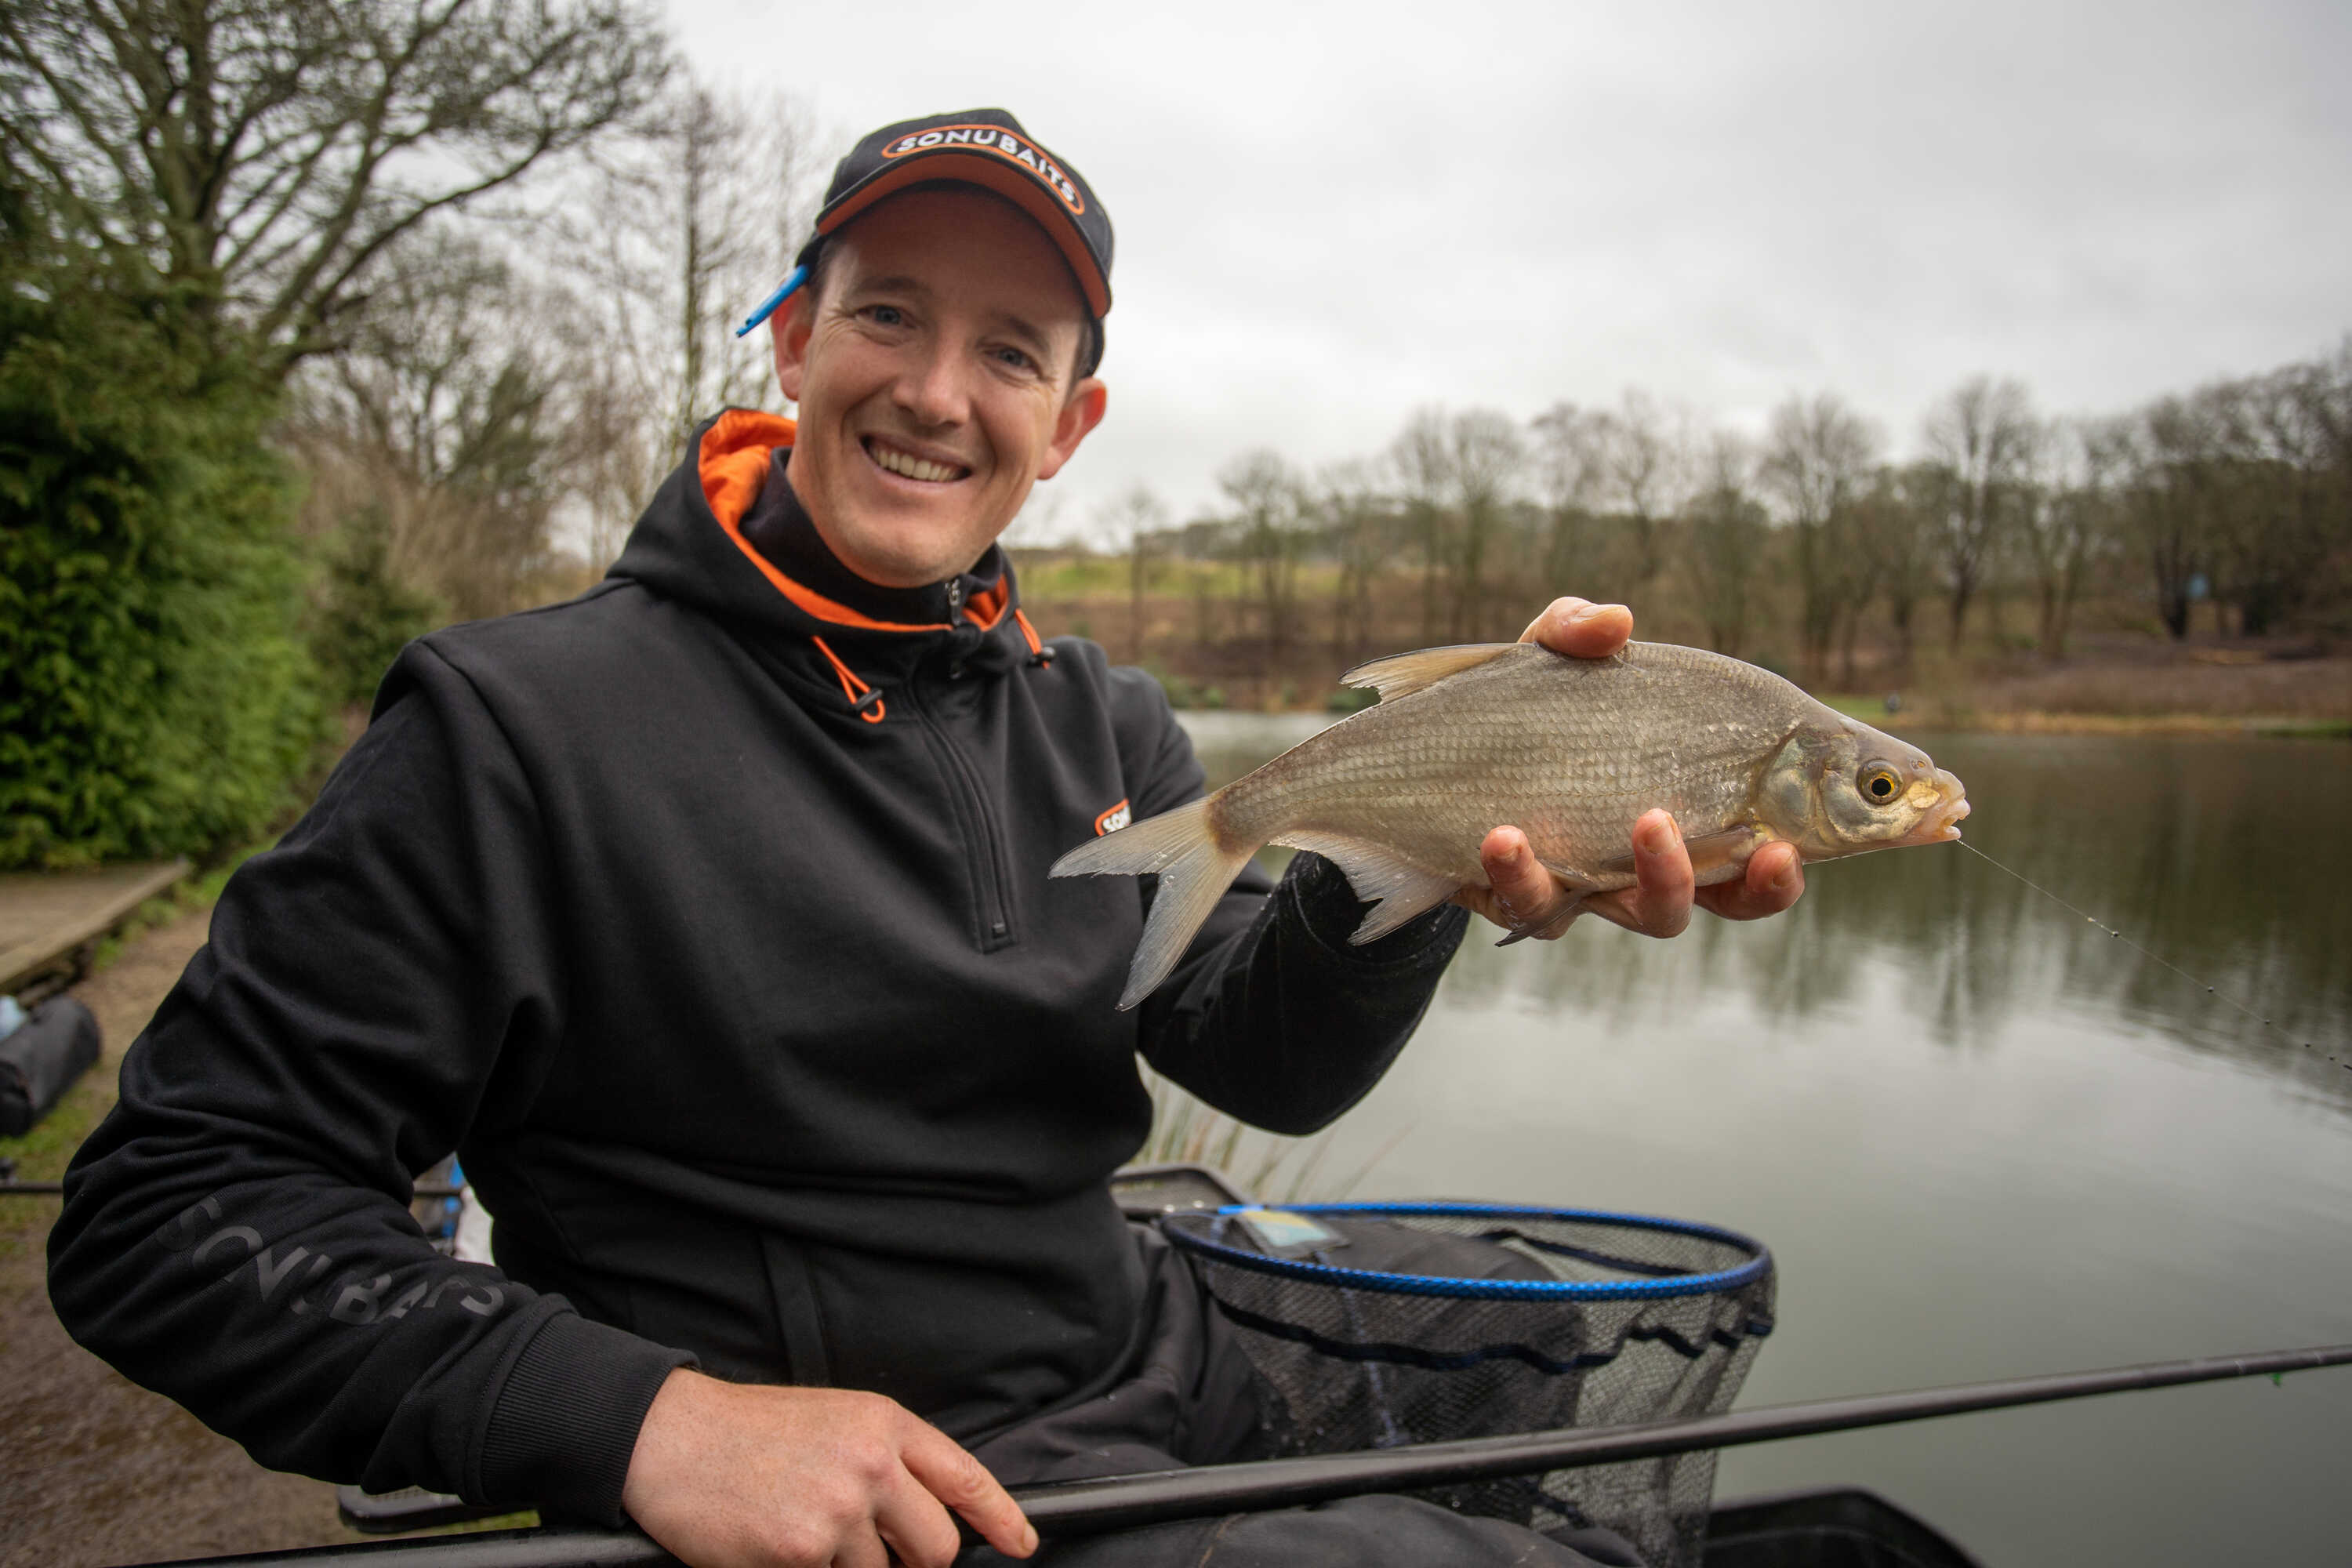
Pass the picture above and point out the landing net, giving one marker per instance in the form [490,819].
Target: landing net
[1383,1324]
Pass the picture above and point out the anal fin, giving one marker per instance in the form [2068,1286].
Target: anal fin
[1551,928]
[1402,889]
[1575,882]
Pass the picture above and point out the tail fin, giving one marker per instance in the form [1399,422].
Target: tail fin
[1194,867]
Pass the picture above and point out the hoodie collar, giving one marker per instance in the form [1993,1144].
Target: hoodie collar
[734,456]
[780,528]
[691,546]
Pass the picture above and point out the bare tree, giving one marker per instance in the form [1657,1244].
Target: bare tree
[1423,460]
[2287,512]
[1268,539]
[1357,523]
[441,423]
[681,228]
[2167,507]
[1894,516]
[1817,456]
[1484,461]
[2060,514]
[268,153]
[1136,516]
[1569,468]
[1639,452]
[1980,436]
[1726,540]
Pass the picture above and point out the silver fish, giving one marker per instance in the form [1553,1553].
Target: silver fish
[1571,751]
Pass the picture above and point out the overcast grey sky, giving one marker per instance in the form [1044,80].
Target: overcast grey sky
[1330,215]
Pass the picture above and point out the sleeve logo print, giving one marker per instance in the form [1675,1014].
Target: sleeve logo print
[1111,821]
[1005,144]
[225,1250]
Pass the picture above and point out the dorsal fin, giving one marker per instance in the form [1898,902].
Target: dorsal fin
[1409,672]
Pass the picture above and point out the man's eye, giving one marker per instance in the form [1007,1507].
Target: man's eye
[886,315]
[1015,358]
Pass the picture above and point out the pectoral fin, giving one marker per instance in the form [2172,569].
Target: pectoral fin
[1402,889]
[1708,852]
[1409,672]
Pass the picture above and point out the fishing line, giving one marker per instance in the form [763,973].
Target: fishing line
[2151,957]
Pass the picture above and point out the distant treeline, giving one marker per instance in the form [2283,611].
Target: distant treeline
[1796,548]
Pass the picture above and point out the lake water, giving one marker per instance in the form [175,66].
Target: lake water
[1982,1139]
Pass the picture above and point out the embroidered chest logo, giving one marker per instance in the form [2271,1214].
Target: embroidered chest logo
[1111,821]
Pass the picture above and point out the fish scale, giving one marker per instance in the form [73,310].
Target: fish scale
[1571,752]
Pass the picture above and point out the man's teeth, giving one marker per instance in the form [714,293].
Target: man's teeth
[909,465]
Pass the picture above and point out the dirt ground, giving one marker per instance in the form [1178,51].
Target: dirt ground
[93,1469]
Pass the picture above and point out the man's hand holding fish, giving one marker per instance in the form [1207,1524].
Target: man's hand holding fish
[1522,894]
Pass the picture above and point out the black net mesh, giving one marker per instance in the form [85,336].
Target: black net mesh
[1425,1322]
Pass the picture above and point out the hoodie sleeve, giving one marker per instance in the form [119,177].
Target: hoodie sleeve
[236,1235]
[1271,1017]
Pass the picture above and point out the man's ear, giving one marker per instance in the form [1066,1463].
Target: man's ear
[789,329]
[1081,412]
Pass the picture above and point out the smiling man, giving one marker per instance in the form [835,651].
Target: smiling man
[708,918]
[932,395]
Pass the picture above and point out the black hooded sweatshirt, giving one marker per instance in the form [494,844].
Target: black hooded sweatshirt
[707,917]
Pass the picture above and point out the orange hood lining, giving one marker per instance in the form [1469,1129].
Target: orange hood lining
[732,461]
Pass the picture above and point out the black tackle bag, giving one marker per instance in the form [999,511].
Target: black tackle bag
[56,1043]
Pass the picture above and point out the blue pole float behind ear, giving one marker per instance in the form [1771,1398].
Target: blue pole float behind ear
[768,306]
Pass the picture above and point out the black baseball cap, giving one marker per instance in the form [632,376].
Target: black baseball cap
[983,147]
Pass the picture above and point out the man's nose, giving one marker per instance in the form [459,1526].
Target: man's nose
[933,388]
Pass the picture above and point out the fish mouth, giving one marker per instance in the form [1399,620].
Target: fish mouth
[1943,825]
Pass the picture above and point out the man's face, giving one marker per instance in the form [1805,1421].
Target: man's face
[933,380]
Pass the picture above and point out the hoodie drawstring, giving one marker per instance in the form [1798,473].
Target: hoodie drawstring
[865,701]
[1039,654]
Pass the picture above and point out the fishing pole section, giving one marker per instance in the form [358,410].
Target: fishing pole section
[1115,1502]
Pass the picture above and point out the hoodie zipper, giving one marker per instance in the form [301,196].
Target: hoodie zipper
[984,838]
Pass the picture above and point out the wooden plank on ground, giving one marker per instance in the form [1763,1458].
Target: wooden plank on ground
[45,915]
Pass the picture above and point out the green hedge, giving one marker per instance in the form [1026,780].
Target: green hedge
[361,615]
[155,696]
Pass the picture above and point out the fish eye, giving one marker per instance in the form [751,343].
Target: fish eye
[1879,785]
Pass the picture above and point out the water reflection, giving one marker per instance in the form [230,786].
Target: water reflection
[2231,859]
[1981,1138]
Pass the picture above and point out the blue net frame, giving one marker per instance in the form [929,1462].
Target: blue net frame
[1420,1322]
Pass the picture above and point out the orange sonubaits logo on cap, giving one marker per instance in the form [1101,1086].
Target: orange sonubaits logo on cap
[1005,144]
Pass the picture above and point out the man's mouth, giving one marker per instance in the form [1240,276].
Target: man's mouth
[909,465]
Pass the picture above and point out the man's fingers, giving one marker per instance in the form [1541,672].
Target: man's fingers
[1522,885]
[868,1552]
[950,1474]
[1775,880]
[917,1528]
[1580,629]
[1521,894]
[1659,902]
